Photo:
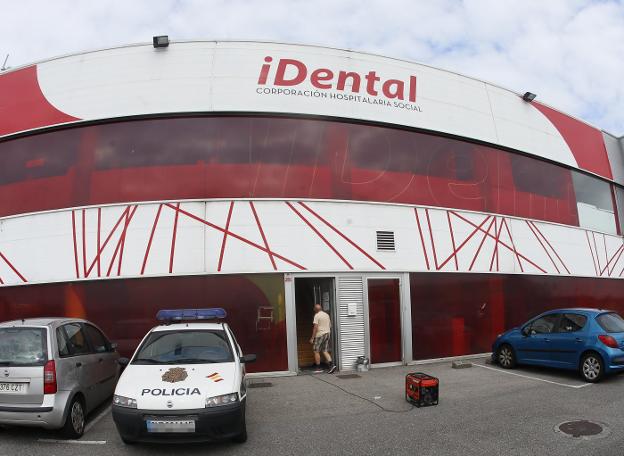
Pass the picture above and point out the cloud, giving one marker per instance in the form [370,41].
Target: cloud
[569,52]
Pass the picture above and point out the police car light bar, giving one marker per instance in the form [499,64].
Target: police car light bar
[191,314]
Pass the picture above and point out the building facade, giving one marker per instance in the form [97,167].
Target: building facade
[425,210]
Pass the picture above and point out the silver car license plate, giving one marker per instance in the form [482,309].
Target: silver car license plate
[12,388]
[170,425]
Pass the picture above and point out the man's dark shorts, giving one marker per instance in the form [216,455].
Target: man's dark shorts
[321,343]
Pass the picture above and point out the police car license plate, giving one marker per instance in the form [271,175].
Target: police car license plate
[12,388]
[170,426]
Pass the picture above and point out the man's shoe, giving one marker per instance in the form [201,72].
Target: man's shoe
[332,369]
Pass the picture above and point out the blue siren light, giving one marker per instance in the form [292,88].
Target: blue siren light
[191,314]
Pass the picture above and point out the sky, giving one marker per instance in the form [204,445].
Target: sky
[569,52]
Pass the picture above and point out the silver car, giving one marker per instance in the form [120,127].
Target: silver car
[53,372]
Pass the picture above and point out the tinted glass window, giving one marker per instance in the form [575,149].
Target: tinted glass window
[540,178]
[97,339]
[572,322]
[23,347]
[260,157]
[545,324]
[61,340]
[184,347]
[619,195]
[594,203]
[76,339]
[611,322]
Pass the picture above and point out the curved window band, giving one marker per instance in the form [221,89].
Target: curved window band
[276,157]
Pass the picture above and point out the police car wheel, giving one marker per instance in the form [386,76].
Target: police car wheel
[127,441]
[75,421]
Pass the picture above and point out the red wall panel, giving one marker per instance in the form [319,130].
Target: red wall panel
[126,309]
[458,314]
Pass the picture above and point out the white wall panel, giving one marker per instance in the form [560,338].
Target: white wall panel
[337,237]
[520,126]
[223,77]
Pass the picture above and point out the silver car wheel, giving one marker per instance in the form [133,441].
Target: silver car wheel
[591,368]
[505,356]
[77,417]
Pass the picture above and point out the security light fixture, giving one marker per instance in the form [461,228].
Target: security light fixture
[528,96]
[161,41]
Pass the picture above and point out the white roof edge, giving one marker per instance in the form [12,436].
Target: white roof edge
[614,136]
[216,41]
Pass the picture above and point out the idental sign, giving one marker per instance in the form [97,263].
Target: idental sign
[292,72]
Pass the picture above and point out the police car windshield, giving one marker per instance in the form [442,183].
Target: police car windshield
[184,347]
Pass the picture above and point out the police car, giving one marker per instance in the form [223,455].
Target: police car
[185,382]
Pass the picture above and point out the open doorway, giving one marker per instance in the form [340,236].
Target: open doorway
[309,291]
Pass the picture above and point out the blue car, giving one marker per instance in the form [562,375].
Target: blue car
[590,341]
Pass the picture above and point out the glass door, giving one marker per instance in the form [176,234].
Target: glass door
[384,319]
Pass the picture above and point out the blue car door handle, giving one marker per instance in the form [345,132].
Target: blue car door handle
[546,339]
[578,339]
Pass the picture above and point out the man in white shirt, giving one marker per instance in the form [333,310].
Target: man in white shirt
[320,338]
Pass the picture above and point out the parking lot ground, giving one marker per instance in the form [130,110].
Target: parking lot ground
[483,410]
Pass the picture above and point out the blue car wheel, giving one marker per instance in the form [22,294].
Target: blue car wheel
[592,367]
[506,357]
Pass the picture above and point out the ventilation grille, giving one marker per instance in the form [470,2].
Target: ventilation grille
[385,241]
[351,321]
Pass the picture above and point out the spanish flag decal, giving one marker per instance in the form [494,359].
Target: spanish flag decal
[215,377]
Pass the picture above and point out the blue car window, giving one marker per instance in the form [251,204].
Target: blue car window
[571,323]
[611,322]
[545,324]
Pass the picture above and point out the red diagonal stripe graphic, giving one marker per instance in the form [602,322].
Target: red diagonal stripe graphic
[13,268]
[121,243]
[592,252]
[597,255]
[498,228]
[513,244]
[487,232]
[106,241]
[225,234]
[264,239]
[235,236]
[75,243]
[151,238]
[550,245]
[501,242]
[435,255]
[99,229]
[450,225]
[342,235]
[422,239]
[618,251]
[84,243]
[318,233]
[174,237]
[464,242]
[543,246]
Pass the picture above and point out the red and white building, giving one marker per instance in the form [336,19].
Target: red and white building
[427,211]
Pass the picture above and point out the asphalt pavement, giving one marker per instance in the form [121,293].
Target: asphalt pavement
[483,410]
